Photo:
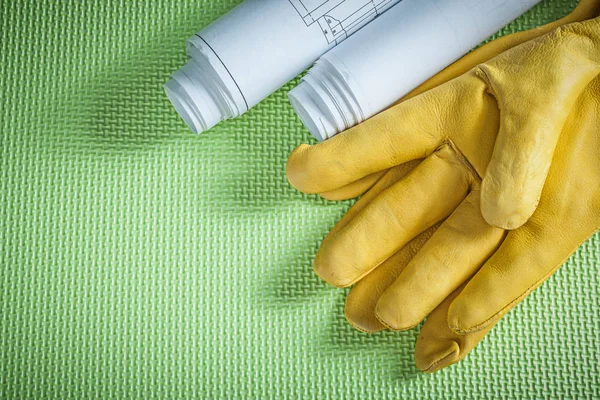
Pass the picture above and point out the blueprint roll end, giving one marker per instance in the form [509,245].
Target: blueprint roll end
[324,102]
[310,113]
[191,99]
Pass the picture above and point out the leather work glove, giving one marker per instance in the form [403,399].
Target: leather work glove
[515,177]
[442,142]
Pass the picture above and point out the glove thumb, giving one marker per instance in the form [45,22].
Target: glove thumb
[536,85]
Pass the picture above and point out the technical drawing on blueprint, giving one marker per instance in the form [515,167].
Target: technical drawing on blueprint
[339,19]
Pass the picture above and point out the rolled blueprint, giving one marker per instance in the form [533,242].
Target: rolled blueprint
[256,48]
[388,58]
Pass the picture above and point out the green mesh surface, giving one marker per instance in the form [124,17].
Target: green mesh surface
[140,261]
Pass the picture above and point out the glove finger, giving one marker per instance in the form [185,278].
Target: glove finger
[425,197]
[353,189]
[462,244]
[530,129]
[438,346]
[527,257]
[389,178]
[362,299]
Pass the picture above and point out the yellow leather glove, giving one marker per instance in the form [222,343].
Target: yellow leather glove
[385,230]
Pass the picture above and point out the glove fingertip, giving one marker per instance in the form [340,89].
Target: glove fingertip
[297,171]
[392,316]
[504,206]
[465,317]
[363,321]
[333,273]
[432,355]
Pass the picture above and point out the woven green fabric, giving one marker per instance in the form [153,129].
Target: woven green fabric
[138,260]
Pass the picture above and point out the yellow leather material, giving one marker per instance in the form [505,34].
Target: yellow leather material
[353,189]
[536,88]
[453,254]
[438,346]
[567,215]
[428,194]
[388,244]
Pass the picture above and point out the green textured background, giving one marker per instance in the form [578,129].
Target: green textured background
[138,260]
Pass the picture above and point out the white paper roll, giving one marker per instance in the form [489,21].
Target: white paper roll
[387,59]
[256,48]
